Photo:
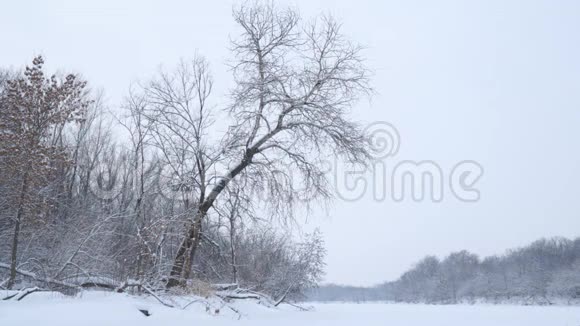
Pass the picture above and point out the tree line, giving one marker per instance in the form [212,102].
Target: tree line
[540,273]
[155,194]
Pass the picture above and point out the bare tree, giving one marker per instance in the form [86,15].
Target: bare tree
[136,124]
[236,208]
[295,84]
[178,118]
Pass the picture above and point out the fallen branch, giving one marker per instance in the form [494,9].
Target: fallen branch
[299,307]
[225,287]
[29,291]
[10,296]
[225,304]
[98,282]
[240,296]
[190,303]
[148,290]
[23,293]
[235,310]
[128,283]
[283,297]
[41,279]
[86,282]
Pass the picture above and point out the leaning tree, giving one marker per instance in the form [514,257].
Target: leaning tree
[295,83]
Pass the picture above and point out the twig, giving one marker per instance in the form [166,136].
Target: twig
[22,293]
[40,279]
[190,303]
[299,307]
[148,290]
[283,297]
[29,291]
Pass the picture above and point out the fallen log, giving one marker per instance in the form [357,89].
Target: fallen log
[23,293]
[41,279]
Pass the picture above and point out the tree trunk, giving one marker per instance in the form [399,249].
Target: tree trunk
[233,250]
[19,213]
[181,269]
[197,227]
[14,255]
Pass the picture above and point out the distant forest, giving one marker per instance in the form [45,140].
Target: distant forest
[544,271]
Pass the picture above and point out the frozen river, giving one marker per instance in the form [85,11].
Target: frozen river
[116,310]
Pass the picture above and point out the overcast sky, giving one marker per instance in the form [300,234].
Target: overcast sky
[497,82]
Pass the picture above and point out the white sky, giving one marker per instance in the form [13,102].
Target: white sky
[497,82]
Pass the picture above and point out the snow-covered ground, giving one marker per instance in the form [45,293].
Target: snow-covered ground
[96,308]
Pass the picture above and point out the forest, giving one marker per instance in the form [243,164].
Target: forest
[540,273]
[174,189]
